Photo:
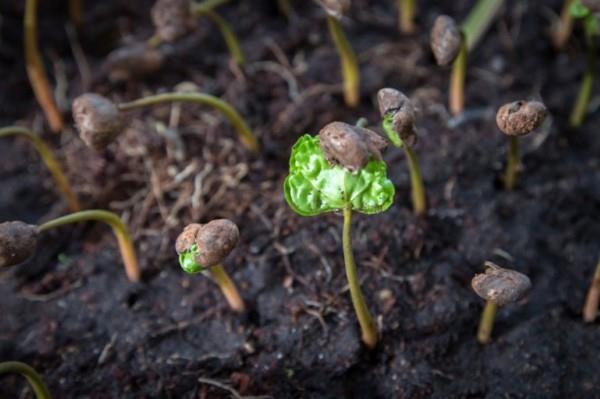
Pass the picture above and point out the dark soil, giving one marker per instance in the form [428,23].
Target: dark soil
[71,313]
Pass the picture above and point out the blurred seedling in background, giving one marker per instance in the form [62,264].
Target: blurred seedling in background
[563,27]
[399,124]
[406,15]
[587,12]
[335,10]
[99,120]
[451,44]
[341,170]
[590,309]
[51,163]
[18,240]
[174,19]
[499,287]
[35,381]
[517,119]
[202,248]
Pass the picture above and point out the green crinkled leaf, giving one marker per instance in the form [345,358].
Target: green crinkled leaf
[187,261]
[314,186]
[394,137]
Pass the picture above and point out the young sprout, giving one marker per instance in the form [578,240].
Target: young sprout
[590,309]
[341,170]
[451,44]
[406,18]
[563,27]
[202,249]
[51,163]
[515,119]
[35,68]
[586,11]
[174,19]
[499,287]
[33,378]
[399,124]
[100,121]
[18,240]
[335,9]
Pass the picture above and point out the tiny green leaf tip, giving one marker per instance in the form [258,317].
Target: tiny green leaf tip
[314,186]
[188,263]
[388,127]
[578,10]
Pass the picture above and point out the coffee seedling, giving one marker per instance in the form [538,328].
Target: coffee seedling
[174,19]
[586,11]
[51,163]
[202,249]
[451,44]
[499,287]
[33,378]
[406,17]
[335,9]
[399,124]
[100,121]
[35,68]
[341,170]
[517,119]
[590,309]
[18,240]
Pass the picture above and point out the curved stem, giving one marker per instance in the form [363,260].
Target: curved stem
[590,309]
[416,181]
[230,113]
[229,36]
[51,163]
[587,84]
[76,12]
[228,288]
[35,380]
[512,163]
[367,326]
[407,9]
[35,68]
[564,26]
[457,80]
[350,70]
[206,5]
[486,324]
[479,20]
[119,229]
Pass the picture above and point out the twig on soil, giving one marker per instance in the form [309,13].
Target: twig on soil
[235,394]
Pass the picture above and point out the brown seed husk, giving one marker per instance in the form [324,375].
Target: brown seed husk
[215,240]
[18,241]
[520,117]
[133,62]
[500,285]
[172,19]
[445,40]
[403,122]
[335,8]
[350,146]
[97,119]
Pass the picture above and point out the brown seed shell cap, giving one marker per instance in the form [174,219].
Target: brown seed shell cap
[392,100]
[350,146]
[500,285]
[520,117]
[215,240]
[133,62]
[97,119]
[335,8]
[445,40]
[172,19]
[18,241]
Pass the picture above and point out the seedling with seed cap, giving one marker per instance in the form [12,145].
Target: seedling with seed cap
[341,170]
[18,240]
[202,249]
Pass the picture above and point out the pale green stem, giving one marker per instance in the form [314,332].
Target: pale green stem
[416,180]
[229,36]
[512,163]
[406,18]
[246,135]
[350,70]
[587,83]
[590,309]
[35,380]
[228,288]
[367,325]
[564,26]
[457,80]
[48,158]
[479,20]
[207,5]
[486,324]
[119,229]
